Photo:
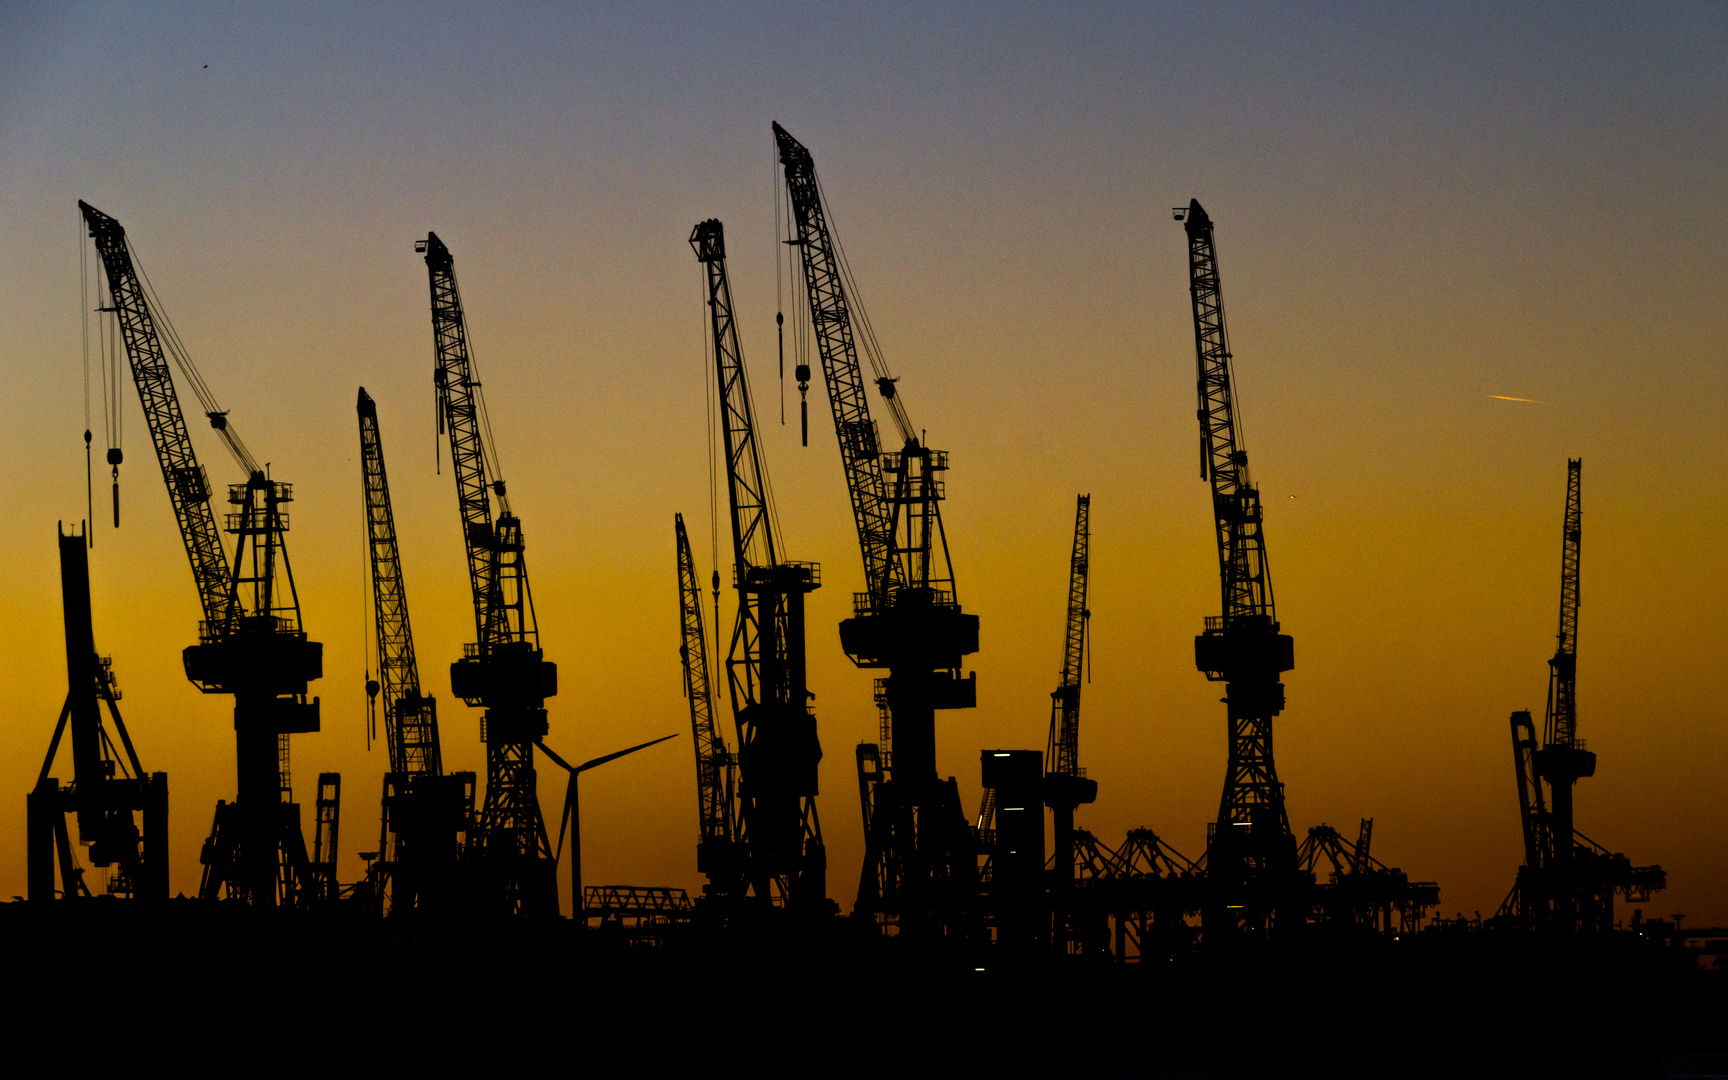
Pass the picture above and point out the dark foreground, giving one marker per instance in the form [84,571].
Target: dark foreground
[289,992]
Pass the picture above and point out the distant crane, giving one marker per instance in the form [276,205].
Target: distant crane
[778,750]
[717,853]
[1065,782]
[504,670]
[920,869]
[1568,881]
[107,787]
[425,813]
[1251,856]
[251,643]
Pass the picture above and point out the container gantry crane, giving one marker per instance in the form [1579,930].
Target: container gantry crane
[1065,783]
[504,670]
[107,787]
[920,859]
[717,852]
[251,642]
[778,749]
[1251,854]
[426,814]
[1568,881]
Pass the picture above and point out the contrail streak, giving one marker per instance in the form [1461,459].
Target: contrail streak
[1531,400]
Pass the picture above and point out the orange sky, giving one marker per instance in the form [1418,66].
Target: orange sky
[1419,217]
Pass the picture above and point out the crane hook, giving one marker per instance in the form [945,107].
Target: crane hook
[114,459]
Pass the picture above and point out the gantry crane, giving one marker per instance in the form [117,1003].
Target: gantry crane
[1568,881]
[920,862]
[1065,783]
[504,669]
[778,750]
[425,813]
[251,643]
[107,787]
[717,852]
[1251,855]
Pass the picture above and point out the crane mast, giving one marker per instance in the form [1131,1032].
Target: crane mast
[920,867]
[504,669]
[251,643]
[424,811]
[1251,859]
[716,851]
[1065,784]
[778,749]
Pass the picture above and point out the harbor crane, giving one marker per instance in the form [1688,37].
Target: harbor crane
[920,871]
[1065,783]
[779,833]
[426,814]
[251,642]
[1568,881]
[108,786]
[1251,854]
[504,669]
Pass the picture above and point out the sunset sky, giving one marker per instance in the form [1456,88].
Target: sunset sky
[1459,245]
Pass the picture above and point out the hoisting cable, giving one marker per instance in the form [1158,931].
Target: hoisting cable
[710,393]
[779,306]
[176,348]
[885,379]
[84,329]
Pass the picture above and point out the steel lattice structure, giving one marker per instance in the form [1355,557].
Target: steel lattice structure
[503,670]
[920,867]
[410,717]
[251,643]
[778,750]
[1066,786]
[425,812]
[716,853]
[1062,752]
[1252,853]
[1561,726]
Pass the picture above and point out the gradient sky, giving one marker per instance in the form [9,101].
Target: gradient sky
[1418,207]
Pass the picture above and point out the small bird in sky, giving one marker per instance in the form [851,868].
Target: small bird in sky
[206,67]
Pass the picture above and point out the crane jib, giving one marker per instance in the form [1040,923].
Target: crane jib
[188,490]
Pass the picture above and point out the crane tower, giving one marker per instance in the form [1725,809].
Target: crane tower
[1251,855]
[504,669]
[778,749]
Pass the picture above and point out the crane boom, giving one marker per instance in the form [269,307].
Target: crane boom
[188,485]
[1063,751]
[1242,571]
[831,319]
[504,669]
[1561,726]
[778,749]
[714,766]
[1251,864]
[410,717]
